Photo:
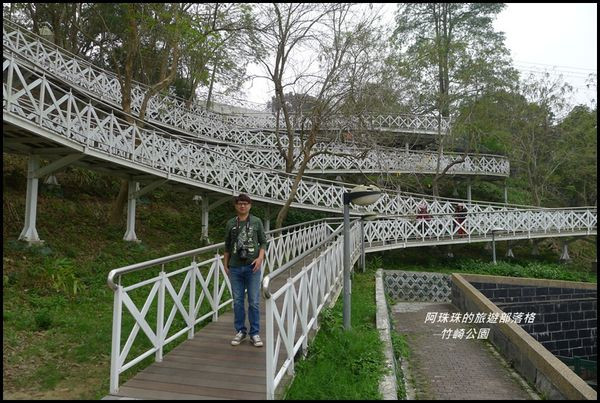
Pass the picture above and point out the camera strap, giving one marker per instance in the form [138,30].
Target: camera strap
[237,220]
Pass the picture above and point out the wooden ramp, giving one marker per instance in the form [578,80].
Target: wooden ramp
[209,367]
[206,367]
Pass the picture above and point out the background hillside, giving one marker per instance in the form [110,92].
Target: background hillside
[57,308]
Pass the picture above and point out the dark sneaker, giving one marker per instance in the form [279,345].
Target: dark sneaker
[256,341]
[238,338]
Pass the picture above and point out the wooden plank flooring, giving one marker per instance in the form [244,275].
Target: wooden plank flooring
[208,366]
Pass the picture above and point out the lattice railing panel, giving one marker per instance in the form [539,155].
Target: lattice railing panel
[173,112]
[292,310]
[505,223]
[169,108]
[38,101]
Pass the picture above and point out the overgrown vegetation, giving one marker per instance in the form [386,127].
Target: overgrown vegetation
[401,353]
[57,308]
[340,364]
[475,259]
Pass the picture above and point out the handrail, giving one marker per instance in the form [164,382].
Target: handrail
[166,259]
[267,279]
[537,210]
[393,196]
[186,140]
[221,116]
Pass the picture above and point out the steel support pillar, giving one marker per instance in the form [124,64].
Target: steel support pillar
[204,236]
[131,197]
[450,254]
[267,219]
[509,252]
[535,251]
[469,192]
[29,233]
[564,257]
[505,193]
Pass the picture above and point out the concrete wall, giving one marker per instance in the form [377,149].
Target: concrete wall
[534,362]
[565,320]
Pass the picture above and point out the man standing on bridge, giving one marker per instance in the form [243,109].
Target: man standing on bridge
[245,245]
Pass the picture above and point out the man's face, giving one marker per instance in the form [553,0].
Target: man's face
[242,207]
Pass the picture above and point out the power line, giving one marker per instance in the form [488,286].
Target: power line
[553,65]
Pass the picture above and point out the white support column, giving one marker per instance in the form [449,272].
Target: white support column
[267,219]
[130,232]
[564,257]
[204,235]
[505,193]
[509,252]
[535,251]
[29,233]
[450,253]
[469,192]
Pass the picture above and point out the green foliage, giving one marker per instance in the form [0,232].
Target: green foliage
[343,364]
[467,52]
[473,258]
[400,345]
[43,320]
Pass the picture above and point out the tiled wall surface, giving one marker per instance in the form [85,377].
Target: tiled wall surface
[565,320]
[417,286]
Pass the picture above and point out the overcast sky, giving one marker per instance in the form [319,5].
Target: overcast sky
[560,38]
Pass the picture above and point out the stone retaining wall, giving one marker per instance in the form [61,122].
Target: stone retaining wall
[532,360]
[565,320]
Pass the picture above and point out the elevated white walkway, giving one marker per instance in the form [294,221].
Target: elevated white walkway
[172,113]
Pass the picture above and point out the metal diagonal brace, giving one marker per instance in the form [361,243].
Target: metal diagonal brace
[56,165]
[147,189]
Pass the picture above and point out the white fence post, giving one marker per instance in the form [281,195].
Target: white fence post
[160,316]
[116,341]
[290,325]
[215,301]
[269,348]
[192,303]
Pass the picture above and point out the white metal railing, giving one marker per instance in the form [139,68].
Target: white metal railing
[375,160]
[172,110]
[30,99]
[201,284]
[514,224]
[292,310]
[169,110]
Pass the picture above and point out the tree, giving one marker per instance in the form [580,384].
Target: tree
[142,43]
[450,52]
[576,181]
[293,29]
[222,51]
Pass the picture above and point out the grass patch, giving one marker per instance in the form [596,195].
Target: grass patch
[57,307]
[343,364]
[474,259]
[401,353]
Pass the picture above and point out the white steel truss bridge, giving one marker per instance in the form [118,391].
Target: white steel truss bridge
[251,131]
[44,117]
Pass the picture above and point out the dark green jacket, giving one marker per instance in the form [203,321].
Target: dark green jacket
[253,237]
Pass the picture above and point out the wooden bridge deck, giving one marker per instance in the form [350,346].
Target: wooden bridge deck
[209,367]
[206,367]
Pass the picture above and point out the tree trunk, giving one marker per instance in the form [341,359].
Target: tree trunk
[117,210]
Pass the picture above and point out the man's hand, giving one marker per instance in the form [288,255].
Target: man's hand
[257,263]
[226,269]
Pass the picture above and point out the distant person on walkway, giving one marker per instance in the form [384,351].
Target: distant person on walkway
[423,219]
[245,245]
[460,211]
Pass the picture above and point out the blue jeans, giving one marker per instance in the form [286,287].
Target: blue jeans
[243,279]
